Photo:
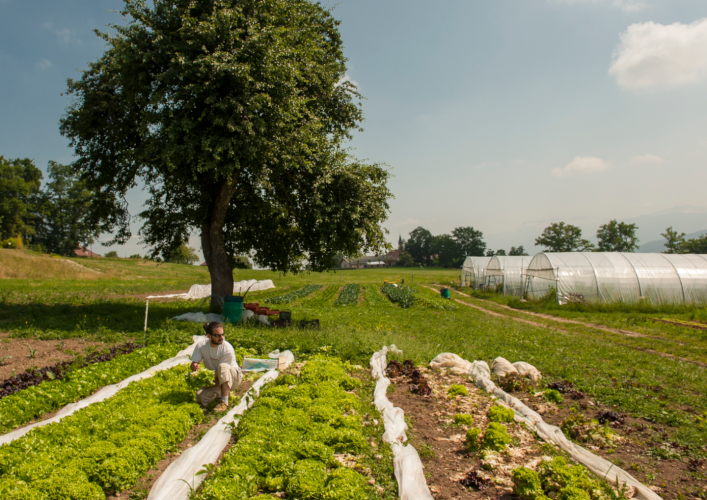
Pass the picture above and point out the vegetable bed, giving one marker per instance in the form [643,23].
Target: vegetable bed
[103,448]
[349,295]
[309,437]
[294,295]
[21,407]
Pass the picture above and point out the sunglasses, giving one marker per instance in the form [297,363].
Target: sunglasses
[216,334]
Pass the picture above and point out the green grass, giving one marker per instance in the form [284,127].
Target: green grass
[608,366]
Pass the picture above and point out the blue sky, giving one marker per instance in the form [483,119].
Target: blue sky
[503,115]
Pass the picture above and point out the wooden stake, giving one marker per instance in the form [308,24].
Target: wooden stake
[147,307]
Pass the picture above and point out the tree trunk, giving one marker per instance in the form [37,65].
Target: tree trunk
[214,247]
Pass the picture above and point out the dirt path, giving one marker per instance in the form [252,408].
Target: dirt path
[568,332]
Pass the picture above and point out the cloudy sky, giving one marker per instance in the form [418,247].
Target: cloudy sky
[503,115]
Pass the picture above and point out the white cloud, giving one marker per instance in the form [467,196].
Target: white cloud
[652,55]
[44,64]
[347,78]
[582,165]
[64,34]
[484,164]
[646,159]
[625,5]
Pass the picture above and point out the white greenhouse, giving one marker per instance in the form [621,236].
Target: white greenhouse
[619,277]
[473,272]
[505,273]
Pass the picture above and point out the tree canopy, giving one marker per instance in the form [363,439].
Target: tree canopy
[20,182]
[674,240]
[471,241]
[64,209]
[234,114]
[617,237]
[561,237]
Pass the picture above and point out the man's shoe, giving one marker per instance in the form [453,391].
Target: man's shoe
[221,407]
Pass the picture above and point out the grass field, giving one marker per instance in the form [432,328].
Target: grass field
[623,371]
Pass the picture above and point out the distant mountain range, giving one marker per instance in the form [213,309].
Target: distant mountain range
[659,245]
[686,219]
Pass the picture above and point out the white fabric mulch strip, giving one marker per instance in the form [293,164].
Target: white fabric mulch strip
[479,372]
[203,291]
[179,479]
[406,461]
[182,357]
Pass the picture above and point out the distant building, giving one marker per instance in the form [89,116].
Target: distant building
[370,261]
[203,264]
[82,251]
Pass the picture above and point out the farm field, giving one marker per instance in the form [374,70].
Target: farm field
[661,443]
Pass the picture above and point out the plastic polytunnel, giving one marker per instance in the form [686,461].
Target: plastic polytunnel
[473,273]
[505,272]
[621,277]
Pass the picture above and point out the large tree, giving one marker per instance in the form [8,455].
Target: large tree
[65,209]
[20,182]
[470,240]
[617,237]
[561,237]
[234,114]
[420,245]
[448,251]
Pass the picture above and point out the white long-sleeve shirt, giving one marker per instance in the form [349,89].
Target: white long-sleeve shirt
[214,356]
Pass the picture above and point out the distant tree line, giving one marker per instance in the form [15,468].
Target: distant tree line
[446,250]
[54,218]
[613,237]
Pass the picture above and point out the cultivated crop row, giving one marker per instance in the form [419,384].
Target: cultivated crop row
[324,298]
[305,437]
[59,371]
[349,295]
[374,297]
[48,396]
[294,295]
[400,295]
[104,448]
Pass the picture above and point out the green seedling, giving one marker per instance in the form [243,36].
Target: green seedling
[457,390]
[499,413]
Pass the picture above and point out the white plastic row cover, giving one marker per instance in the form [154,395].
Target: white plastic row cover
[480,373]
[406,461]
[182,357]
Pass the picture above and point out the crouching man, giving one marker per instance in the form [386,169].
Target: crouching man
[219,357]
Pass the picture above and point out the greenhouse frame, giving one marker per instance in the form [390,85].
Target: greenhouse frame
[506,272]
[473,272]
[607,277]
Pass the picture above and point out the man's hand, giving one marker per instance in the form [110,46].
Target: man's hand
[194,366]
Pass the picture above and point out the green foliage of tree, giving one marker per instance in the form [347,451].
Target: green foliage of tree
[617,237]
[674,241]
[234,115]
[561,237]
[695,245]
[64,212]
[419,245]
[241,262]
[405,260]
[518,251]
[112,254]
[448,251]
[470,241]
[183,254]
[20,182]
[135,256]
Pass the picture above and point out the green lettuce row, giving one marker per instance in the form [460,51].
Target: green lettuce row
[103,448]
[287,441]
[24,406]
[349,295]
[323,299]
[374,297]
[401,295]
[294,295]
